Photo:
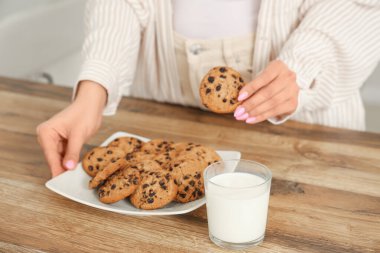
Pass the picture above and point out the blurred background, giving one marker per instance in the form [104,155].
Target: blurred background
[40,40]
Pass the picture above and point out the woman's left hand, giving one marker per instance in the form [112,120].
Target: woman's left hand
[273,93]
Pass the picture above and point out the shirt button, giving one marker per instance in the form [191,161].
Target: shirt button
[195,49]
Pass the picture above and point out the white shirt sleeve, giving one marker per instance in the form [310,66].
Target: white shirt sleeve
[111,47]
[333,50]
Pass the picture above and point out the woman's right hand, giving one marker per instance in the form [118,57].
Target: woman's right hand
[63,136]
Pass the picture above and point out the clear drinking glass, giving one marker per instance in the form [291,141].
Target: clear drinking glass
[237,198]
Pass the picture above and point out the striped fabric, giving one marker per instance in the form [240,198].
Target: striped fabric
[332,46]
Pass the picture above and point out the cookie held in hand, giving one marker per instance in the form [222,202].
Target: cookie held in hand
[219,89]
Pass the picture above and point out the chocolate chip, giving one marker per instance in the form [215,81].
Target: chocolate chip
[232,101]
[91,168]
[135,181]
[197,176]
[109,152]
[113,186]
[117,139]
[175,181]
[223,76]
[182,195]
[241,80]
[194,193]
[145,186]
[211,79]
[234,76]
[199,193]
[92,153]
[239,88]
[129,156]
[151,194]
[218,87]
[162,182]
[167,176]
[150,200]
[186,177]
[224,100]
[208,90]
[192,182]
[222,69]
[186,188]
[176,165]
[99,159]
[189,148]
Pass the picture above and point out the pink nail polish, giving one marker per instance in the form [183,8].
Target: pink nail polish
[243,117]
[243,96]
[250,120]
[70,165]
[239,111]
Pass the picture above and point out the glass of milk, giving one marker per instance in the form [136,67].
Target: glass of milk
[237,197]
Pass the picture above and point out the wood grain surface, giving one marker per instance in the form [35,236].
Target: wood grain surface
[325,194]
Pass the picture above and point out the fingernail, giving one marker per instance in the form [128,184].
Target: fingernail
[70,164]
[243,96]
[239,111]
[250,120]
[243,117]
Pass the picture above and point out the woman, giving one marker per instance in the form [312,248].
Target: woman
[304,60]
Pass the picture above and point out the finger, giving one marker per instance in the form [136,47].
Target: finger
[48,140]
[263,95]
[263,79]
[282,109]
[279,98]
[74,146]
[62,147]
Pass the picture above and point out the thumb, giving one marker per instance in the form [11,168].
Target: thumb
[74,146]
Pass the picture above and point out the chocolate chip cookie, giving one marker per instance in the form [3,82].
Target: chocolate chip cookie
[146,166]
[156,190]
[188,176]
[155,146]
[219,89]
[114,165]
[127,144]
[98,158]
[205,155]
[119,185]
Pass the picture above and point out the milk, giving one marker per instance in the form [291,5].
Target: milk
[237,214]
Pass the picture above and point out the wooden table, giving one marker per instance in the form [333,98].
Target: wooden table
[325,194]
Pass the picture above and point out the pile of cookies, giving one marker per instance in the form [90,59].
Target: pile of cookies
[219,89]
[151,174]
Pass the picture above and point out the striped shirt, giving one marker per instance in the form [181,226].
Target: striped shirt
[332,46]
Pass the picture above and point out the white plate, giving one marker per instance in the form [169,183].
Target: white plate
[74,185]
